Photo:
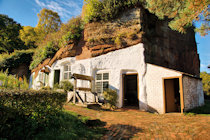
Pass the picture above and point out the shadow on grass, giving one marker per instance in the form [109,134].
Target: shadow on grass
[119,131]
[203,110]
[61,126]
[72,126]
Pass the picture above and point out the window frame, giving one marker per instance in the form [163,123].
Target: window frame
[68,72]
[44,78]
[102,72]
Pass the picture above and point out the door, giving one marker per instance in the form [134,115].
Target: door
[172,95]
[131,90]
[57,77]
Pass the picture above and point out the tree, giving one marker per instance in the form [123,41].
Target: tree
[91,10]
[9,35]
[206,82]
[49,21]
[29,36]
[182,13]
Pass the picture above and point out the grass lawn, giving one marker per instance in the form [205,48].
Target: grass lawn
[69,125]
[203,110]
[64,125]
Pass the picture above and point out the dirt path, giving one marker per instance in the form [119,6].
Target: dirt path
[131,123]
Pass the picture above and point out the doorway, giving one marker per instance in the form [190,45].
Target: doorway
[172,95]
[57,77]
[130,90]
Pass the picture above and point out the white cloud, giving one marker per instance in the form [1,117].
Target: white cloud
[65,8]
[204,67]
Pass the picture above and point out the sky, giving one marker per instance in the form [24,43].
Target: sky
[25,12]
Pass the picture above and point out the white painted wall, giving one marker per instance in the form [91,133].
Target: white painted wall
[117,63]
[154,86]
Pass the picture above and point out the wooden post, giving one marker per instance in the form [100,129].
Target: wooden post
[181,93]
[75,87]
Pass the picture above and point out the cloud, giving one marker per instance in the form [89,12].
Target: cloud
[65,8]
[204,67]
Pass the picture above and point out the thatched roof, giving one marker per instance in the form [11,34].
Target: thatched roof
[61,53]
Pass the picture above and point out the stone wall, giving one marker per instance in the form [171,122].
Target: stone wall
[193,92]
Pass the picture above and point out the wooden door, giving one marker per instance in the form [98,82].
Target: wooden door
[170,96]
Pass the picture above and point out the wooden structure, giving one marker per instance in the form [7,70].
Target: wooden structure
[76,96]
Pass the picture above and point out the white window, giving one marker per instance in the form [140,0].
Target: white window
[44,78]
[67,72]
[41,77]
[102,82]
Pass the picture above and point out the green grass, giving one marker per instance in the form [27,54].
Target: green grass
[69,125]
[64,125]
[203,110]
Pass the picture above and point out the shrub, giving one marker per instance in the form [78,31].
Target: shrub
[43,53]
[92,11]
[67,86]
[118,41]
[12,82]
[206,83]
[25,113]
[111,97]
[72,31]
[106,10]
[46,88]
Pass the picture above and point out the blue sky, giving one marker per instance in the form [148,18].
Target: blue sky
[25,13]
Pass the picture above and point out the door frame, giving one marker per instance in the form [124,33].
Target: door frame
[59,76]
[180,89]
[123,86]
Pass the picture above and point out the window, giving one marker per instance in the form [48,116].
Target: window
[44,78]
[102,82]
[67,72]
[41,77]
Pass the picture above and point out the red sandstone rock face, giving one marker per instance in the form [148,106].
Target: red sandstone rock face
[163,47]
[168,48]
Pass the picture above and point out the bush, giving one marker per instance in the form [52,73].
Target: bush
[111,98]
[25,113]
[12,82]
[43,53]
[73,31]
[92,11]
[46,88]
[118,41]
[39,115]
[67,86]
[106,10]
[206,83]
